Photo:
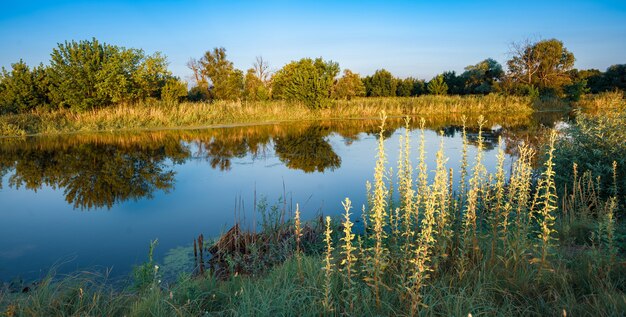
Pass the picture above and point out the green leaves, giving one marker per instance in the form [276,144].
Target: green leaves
[89,74]
[308,81]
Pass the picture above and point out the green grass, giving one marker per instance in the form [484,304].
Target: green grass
[160,115]
[496,248]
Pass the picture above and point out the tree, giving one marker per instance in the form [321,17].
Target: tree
[381,84]
[174,90]
[227,82]
[254,87]
[455,84]
[88,74]
[348,86]
[615,77]
[257,81]
[437,86]
[21,89]
[404,87]
[544,64]
[482,77]
[308,81]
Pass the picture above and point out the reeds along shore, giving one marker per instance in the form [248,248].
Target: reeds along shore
[498,244]
[157,114]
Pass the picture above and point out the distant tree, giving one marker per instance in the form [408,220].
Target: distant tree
[381,84]
[257,81]
[544,64]
[308,81]
[455,84]
[199,93]
[419,88]
[21,89]
[226,81]
[348,86]
[577,89]
[593,77]
[88,74]
[437,86]
[482,77]
[254,87]
[615,77]
[174,90]
[404,87]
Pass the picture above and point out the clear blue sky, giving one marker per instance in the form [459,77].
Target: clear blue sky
[409,38]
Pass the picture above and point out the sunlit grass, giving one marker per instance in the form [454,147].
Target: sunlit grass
[159,115]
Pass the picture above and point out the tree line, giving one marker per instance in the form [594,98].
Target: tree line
[89,74]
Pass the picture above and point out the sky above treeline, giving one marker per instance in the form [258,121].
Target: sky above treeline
[408,38]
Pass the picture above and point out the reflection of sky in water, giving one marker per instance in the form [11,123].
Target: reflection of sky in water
[40,229]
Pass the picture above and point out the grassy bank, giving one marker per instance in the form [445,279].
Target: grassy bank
[159,115]
[499,245]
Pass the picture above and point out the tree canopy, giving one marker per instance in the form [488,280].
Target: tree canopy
[307,81]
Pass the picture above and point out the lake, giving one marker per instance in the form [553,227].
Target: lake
[95,201]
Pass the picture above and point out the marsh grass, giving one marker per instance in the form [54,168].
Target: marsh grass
[160,115]
[516,254]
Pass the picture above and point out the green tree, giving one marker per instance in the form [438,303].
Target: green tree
[21,89]
[615,78]
[308,81]
[404,87]
[88,74]
[455,84]
[482,77]
[437,86]
[544,64]
[381,84]
[174,90]
[348,86]
[227,82]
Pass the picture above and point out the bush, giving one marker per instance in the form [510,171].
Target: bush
[307,81]
[594,143]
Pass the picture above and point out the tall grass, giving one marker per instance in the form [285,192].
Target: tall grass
[159,115]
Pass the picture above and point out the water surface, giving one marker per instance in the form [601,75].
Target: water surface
[94,201]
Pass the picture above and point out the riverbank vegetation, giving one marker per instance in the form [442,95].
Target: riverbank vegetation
[93,86]
[524,242]
[158,115]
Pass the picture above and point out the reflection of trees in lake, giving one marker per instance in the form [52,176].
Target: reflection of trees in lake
[308,151]
[94,174]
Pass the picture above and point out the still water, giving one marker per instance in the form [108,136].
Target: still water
[94,202]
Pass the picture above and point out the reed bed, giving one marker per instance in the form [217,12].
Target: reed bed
[503,244]
[160,115]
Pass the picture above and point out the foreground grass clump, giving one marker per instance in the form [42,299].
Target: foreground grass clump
[158,115]
[501,245]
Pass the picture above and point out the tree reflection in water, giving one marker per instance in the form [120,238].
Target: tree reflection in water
[105,169]
[308,151]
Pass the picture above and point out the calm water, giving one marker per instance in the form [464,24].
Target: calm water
[95,201]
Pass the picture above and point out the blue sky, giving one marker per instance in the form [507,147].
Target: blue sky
[408,38]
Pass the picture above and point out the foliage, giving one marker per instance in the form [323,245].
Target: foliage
[381,84]
[594,143]
[544,64]
[348,86]
[226,81]
[307,81]
[174,90]
[88,74]
[576,90]
[437,86]
[456,84]
[22,89]
[482,77]
[254,88]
